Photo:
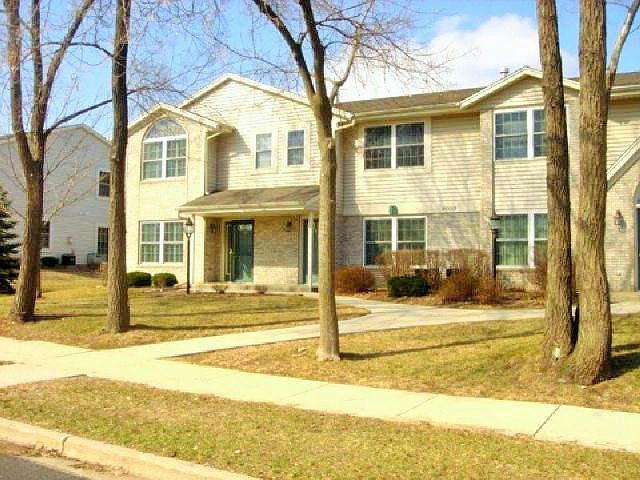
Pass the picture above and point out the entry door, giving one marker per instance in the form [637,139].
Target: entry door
[240,251]
[305,252]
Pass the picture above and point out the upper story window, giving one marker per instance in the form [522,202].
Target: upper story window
[520,134]
[45,235]
[263,150]
[164,151]
[295,148]
[104,184]
[394,146]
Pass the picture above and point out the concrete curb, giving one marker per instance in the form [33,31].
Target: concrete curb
[140,464]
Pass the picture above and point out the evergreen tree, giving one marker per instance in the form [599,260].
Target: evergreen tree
[8,246]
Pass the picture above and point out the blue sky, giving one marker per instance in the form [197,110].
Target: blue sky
[484,36]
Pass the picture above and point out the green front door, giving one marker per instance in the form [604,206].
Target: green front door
[240,251]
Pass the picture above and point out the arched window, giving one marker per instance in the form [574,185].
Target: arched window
[164,150]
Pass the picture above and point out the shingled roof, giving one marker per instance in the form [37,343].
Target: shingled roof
[446,97]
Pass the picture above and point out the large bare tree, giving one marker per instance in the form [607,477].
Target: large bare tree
[31,137]
[326,39]
[558,342]
[117,293]
[592,355]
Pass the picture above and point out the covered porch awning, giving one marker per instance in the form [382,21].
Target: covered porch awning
[255,201]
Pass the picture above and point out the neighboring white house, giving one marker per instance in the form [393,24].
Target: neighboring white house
[423,171]
[76,192]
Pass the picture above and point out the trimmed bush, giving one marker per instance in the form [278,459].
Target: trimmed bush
[354,279]
[459,287]
[407,286]
[164,280]
[489,292]
[49,262]
[138,279]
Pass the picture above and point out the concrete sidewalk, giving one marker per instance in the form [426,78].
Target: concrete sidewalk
[552,422]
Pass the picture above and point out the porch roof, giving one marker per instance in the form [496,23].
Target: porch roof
[255,200]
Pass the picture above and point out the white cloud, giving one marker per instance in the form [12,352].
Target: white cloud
[477,53]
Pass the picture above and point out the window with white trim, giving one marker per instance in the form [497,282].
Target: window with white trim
[295,148]
[383,235]
[104,184]
[520,134]
[45,235]
[522,239]
[164,151]
[394,146]
[161,242]
[263,150]
[102,247]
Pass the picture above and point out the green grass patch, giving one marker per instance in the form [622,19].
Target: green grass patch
[488,359]
[277,442]
[73,312]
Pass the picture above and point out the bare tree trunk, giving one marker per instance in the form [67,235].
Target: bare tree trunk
[27,286]
[592,356]
[118,316]
[329,344]
[557,343]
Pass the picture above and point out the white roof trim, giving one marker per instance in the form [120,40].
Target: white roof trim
[622,164]
[509,80]
[232,77]
[165,108]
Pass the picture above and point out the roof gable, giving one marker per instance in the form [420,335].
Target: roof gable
[163,109]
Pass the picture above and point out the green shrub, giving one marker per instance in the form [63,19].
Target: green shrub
[407,286]
[354,279]
[49,262]
[163,280]
[138,279]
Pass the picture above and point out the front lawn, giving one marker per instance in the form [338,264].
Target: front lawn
[278,442]
[73,312]
[488,359]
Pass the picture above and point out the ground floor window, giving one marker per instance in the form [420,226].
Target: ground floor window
[45,235]
[389,234]
[161,242]
[102,248]
[522,239]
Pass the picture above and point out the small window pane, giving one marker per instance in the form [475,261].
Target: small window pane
[176,167]
[377,239]
[176,148]
[513,240]
[45,235]
[411,229]
[377,136]
[514,227]
[150,232]
[150,253]
[263,150]
[515,253]
[410,134]
[295,147]
[104,184]
[263,159]
[152,151]
[540,223]
[103,242]
[173,232]
[151,170]
[511,135]
[173,253]
[165,128]
[377,158]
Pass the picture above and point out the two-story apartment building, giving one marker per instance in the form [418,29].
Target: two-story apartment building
[76,192]
[422,171]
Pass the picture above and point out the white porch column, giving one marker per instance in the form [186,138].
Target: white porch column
[198,250]
[309,250]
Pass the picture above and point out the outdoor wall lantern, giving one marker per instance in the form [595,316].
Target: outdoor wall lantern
[287,226]
[618,220]
[188,231]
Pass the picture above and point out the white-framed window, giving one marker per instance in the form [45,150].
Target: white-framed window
[295,148]
[104,184]
[264,150]
[102,246]
[164,151]
[522,239]
[387,234]
[395,146]
[45,235]
[519,134]
[161,242]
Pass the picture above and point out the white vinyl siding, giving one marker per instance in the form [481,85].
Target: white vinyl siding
[391,234]
[522,238]
[519,134]
[161,240]
[394,146]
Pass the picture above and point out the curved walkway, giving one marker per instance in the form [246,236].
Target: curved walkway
[36,360]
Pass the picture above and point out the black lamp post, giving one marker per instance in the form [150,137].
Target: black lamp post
[188,231]
[494,223]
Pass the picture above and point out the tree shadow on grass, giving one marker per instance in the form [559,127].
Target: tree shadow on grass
[391,353]
[625,363]
[177,328]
